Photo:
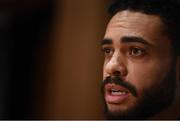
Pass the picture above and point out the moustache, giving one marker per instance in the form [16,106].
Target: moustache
[118,81]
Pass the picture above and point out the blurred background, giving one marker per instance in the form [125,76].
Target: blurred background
[51,63]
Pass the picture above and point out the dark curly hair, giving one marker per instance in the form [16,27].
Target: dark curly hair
[167,10]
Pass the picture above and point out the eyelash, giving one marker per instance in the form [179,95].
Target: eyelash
[107,51]
[139,52]
[131,50]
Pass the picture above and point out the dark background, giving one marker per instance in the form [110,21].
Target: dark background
[24,29]
[50,58]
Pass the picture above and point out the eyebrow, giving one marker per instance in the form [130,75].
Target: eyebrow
[134,39]
[126,39]
[106,41]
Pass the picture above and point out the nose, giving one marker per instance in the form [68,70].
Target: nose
[116,66]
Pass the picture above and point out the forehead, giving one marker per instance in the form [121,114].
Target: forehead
[134,23]
[133,15]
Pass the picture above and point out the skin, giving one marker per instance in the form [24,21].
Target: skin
[139,63]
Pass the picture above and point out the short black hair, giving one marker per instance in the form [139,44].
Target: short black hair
[167,10]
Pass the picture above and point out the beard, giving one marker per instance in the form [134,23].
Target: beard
[153,100]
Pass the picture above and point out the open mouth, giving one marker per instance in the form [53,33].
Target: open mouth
[115,93]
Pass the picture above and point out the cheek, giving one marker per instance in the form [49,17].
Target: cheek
[104,72]
[146,75]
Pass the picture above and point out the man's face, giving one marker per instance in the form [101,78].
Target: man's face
[138,64]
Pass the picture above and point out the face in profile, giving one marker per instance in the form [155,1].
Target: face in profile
[139,69]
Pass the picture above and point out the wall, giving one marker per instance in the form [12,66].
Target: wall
[74,74]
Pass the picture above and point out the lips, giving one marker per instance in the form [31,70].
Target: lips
[115,94]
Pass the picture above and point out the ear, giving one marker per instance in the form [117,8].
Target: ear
[178,70]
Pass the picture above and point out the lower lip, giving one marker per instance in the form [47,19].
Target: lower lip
[115,99]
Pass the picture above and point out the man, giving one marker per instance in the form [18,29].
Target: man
[141,48]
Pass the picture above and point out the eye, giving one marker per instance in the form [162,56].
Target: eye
[107,51]
[136,51]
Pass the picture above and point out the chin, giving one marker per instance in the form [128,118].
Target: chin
[116,108]
[136,109]
[121,111]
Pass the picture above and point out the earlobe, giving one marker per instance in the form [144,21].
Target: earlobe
[178,71]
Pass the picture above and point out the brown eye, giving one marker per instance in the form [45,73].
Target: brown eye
[135,51]
[107,51]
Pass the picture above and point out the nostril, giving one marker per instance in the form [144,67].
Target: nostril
[116,73]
